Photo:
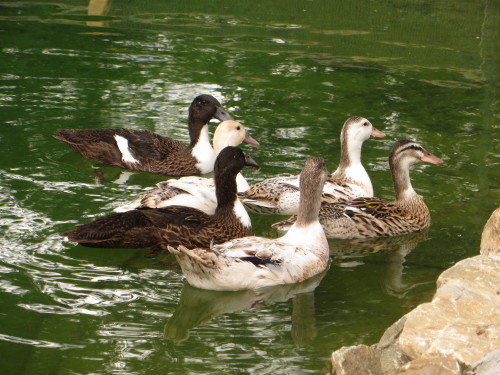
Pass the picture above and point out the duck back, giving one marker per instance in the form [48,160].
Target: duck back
[155,228]
[139,150]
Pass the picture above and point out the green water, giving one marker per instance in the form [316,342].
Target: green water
[290,71]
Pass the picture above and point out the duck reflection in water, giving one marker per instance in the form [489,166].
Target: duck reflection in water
[198,306]
[398,247]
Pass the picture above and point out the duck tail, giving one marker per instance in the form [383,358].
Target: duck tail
[193,258]
[65,135]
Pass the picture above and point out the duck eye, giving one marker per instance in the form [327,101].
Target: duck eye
[238,128]
[366,123]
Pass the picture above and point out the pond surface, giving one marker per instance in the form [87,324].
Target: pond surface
[290,71]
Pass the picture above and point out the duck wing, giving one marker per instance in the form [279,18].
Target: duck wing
[145,228]
[359,218]
[138,150]
[273,196]
[133,229]
[257,250]
[192,191]
[339,192]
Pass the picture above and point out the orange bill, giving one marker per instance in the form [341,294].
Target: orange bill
[250,141]
[429,158]
[377,133]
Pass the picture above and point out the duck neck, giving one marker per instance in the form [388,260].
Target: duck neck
[228,205]
[403,189]
[203,152]
[350,151]
[196,126]
[226,193]
[310,202]
[307,230]
[241,183]
[350,168]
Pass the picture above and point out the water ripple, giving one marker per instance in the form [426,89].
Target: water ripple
[38,343]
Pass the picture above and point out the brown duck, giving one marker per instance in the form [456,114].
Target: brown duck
[141,150]
[374,217]
[155,228]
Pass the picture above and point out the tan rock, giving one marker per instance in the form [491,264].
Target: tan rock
[432,366]
[462,321]
[490,239]
[489,364]
[391,355]
[476,278]
[356,360]
[457,333]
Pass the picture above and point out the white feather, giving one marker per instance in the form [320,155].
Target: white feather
[203,152]
[122,144]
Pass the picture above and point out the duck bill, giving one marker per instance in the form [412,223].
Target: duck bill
[377,133]
[250,141]
[249,162]
[222,115]
[429,158]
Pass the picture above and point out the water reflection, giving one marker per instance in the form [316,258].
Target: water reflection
[98,8]
[398,247]
[197,307]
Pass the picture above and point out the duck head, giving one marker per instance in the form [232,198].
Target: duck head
[232,160]
[205,107]
[358,129]
[231,133]
[408,152]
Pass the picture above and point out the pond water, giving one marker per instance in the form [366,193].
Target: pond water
[290,71]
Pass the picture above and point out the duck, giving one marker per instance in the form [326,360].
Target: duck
[196,191]
[280,195]
[252,263]
[368,217]
[142,150]
[155,228]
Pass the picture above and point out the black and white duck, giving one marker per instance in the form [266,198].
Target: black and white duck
[155,228]
[196,191]
[142,150]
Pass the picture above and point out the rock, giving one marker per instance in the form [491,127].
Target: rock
[457,333]
[356,360]
[391,355]
[432,366]
[490,239]
[489,364]
[462,321]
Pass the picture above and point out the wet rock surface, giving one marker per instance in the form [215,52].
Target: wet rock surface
[458,332]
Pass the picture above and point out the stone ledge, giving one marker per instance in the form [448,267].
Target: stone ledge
[457,333]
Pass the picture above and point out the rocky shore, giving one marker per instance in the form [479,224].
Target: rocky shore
[457,333]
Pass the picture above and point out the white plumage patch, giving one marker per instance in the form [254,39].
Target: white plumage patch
[242,214]
[363,184]
[122,144]
[204,153]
